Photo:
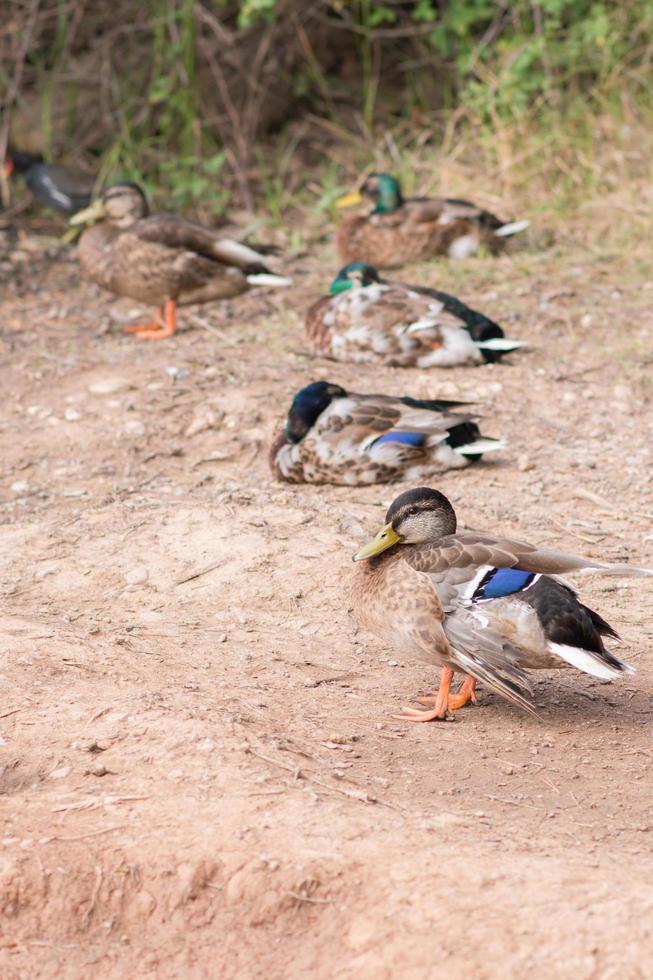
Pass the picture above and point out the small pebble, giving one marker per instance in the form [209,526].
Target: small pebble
[108,386]
[137,576]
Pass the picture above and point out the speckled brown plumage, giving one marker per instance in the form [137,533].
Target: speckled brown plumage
[501,607]
[352,439]
[158,258]
[317,331]
[400,325]
[418,229]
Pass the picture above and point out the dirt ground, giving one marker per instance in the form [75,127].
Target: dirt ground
[200,776]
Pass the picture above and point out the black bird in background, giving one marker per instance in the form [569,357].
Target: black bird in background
[64,189]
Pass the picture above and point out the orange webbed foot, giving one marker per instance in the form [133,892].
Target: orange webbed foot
[464,695]
[418,715]
[439,699]
[164,325]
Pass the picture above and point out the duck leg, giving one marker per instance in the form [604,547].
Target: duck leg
[163,325]
[466,693]
[439,699]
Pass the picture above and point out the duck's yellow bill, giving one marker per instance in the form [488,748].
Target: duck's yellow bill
[349,200]
[89,215]
[71,234]
[386,538]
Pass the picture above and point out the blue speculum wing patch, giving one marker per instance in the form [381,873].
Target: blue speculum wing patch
[407,438]
[501,582]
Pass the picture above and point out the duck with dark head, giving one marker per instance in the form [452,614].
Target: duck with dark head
[488,606]
[365,319]
[400,230]
[64,189]
[336,436]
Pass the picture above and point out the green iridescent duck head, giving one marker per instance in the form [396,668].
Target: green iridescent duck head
[355,274]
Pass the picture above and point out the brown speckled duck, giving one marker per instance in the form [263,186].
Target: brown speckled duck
[488,606]
[337,436]
[162,259]
[401,230]
[367,320]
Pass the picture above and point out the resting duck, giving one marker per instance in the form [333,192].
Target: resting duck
[488,606]
[62,188]
[162,259]
[337,436]
[401,230]
[367,320]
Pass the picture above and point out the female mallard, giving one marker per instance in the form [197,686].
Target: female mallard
[62,188]
[490,607]
[162,259]
[337,436]
[367,320]
[401,230]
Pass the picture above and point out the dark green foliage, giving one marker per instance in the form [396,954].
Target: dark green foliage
[184,93]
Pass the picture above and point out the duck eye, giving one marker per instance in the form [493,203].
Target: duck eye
[412,511]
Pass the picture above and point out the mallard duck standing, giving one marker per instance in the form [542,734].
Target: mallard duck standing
[64,189]
[366,320]
[488,606]
[162,259]
[401,230]
[337,436]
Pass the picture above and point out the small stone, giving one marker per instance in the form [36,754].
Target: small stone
[99,770]
[137,576]
[72,415]
[204,420]
[524,464]
[20,486]
[61,772]
[134,427]
[586,320]
[108,386]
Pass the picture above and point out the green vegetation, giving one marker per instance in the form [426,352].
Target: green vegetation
[282,103]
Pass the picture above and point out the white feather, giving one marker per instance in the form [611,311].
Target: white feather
[236,252]
[500,343]
[426,323]
[511,228]
[267,279]
[480,446]
[54,191]
[463,247]
[589,662]
[475,582]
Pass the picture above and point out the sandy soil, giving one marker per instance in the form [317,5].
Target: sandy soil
[200,776]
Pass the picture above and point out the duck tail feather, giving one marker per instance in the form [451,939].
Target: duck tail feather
[590,662]
[267,279]
[511,228]
[482,445]
[500,344]
[229,250]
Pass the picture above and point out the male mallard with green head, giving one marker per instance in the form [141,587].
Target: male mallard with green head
[162,259]
[490,607]
[401,230]
[367,320]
